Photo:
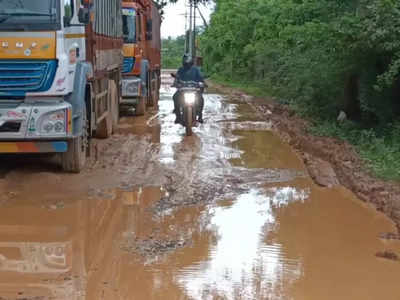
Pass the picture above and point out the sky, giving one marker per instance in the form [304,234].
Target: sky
[174,19]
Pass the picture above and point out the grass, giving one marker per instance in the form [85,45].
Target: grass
[378,147]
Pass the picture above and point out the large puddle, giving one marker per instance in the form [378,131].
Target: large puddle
[271,233]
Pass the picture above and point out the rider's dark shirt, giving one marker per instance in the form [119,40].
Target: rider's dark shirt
[190,74]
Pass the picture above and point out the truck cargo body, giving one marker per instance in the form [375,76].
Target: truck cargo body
[59,60]
[142,48]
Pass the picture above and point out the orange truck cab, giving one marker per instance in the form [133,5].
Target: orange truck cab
[142,55]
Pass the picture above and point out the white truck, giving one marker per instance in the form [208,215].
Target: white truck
[60,70]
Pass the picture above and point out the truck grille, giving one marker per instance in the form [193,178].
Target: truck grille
[19,77]
[129,62]
[10,127]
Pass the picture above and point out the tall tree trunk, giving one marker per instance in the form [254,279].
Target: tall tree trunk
[351,97]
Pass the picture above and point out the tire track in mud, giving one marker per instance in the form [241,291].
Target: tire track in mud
[157,189]
[199,169]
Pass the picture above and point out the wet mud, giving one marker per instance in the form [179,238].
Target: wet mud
[328,160]
[229,213]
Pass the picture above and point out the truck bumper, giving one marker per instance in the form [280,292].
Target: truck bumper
[35,121]
[33,147]
[129,101]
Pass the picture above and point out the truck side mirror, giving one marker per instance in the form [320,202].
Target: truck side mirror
[83,15]
[67,21]
[149,30]
[149,25]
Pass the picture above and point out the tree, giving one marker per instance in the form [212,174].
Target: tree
[322,55]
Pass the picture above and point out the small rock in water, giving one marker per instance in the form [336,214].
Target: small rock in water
[388,255]
[389,236]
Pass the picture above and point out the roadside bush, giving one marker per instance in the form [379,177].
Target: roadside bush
[321,56]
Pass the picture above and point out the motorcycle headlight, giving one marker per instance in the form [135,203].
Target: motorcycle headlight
[190,98]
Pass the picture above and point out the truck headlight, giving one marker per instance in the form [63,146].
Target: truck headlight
[53,123]
[131,87]
[190,98]
[48,127]
[59,126]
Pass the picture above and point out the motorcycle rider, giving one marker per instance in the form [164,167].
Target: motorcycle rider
[188,72]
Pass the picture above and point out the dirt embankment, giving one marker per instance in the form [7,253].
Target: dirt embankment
[329,161]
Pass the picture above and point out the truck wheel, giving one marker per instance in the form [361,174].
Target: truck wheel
[113,92]
[141,106]
[158,90]
[153,85]
[74,159]
[105,128]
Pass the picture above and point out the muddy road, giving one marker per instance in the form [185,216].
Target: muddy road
[229,213]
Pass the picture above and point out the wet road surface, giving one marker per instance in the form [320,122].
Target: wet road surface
[228,213]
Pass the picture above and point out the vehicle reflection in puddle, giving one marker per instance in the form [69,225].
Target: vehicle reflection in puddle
[35,257]
[226,214]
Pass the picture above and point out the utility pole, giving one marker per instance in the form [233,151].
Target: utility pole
[202,17]
[190,47]
[191,28]
[194,29]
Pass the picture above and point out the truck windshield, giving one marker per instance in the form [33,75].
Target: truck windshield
[28,15]
[129,25]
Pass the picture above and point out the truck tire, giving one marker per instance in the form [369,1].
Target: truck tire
[74,159]
[113,92]
[141,106]
[105,128]
[153,85]
[157,91]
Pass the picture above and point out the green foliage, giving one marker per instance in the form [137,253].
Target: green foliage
[323,54]
[172,51]
[378,147]
[320,57]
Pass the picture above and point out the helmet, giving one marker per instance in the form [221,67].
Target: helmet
[187,60]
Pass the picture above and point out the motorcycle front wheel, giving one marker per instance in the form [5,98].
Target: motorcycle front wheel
[189,120]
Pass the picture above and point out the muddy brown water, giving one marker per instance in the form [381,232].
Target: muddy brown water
[229,213]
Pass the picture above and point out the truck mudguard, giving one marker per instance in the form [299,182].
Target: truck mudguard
[144,71]
[77,99]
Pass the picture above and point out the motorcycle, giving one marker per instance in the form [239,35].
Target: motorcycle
[190,97]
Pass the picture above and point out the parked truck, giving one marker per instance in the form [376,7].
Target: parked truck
[142,55]
[60,76]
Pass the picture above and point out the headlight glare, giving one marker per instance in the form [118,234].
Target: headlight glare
[190,98]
